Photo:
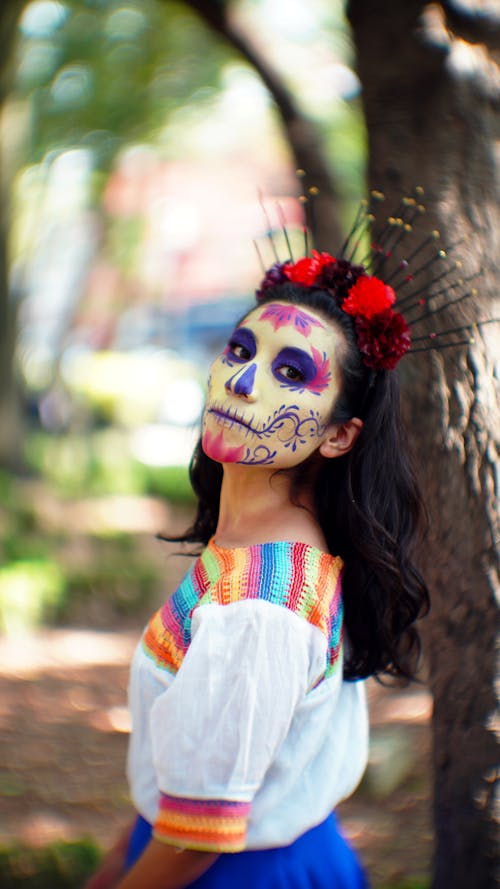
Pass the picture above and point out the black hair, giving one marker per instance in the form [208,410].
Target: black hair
[367,503]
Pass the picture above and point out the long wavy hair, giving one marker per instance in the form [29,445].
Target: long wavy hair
[367,503]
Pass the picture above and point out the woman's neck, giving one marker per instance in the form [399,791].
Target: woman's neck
[256,506]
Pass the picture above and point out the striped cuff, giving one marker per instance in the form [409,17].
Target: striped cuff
[207,825]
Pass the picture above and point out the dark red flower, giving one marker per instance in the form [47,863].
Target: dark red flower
[307,270]
[382,339]
[274,276]
[340,277]
[368,297]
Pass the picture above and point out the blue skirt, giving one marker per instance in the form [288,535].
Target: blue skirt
[319,859]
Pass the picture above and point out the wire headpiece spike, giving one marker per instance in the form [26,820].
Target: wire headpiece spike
[403,303]
[259,256]
[313,193]
[281,217]
[361,213]
[438,347]
[303,201]
[450,286]
[446,305]
[306,241]
[382,333]
[388,229]
[363,228]
[269,227]
[402,226]
[434,340]
[443,254]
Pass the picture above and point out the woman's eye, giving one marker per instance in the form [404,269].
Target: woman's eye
[239,351]
[290,373]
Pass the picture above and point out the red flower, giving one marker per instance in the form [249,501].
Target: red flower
[383,339]
[305,271]
[368,297]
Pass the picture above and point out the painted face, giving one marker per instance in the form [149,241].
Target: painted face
[271,392]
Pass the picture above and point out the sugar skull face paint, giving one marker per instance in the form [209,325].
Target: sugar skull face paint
[283,315]
[271,392]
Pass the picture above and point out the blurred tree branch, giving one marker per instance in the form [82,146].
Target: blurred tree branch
[475,22]
[302,134]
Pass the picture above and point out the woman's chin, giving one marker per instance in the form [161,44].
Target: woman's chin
[219,449]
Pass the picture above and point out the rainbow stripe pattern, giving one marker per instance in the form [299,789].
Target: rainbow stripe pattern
[293,575]
[207,825]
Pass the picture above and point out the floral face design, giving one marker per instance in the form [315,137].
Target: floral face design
[272,390]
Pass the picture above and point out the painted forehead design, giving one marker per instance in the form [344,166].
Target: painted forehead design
[280,315]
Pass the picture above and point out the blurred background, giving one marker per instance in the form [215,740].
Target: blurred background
[135,139]
[135,142]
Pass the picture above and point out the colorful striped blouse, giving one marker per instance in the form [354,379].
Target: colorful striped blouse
[294,575]
[236,683]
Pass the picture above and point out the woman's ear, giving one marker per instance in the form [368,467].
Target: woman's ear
[340,439]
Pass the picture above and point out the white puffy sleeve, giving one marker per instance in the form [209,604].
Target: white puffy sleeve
[217,728]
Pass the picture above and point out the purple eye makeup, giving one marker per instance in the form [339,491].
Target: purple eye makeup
[242,346]
[300,362]
[293,367]
[299,371]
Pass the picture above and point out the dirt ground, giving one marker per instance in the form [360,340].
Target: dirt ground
[64,730]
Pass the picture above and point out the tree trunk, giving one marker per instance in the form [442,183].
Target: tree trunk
[432,111]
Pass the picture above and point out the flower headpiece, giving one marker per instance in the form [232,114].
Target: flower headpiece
[383,334]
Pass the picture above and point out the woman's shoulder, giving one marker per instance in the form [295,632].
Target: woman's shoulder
[292,573]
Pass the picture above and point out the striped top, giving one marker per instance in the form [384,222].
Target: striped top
[294,575]
[244,734]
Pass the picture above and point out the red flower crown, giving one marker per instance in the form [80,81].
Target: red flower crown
[383,336]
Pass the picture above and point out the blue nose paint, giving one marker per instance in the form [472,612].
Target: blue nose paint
[242,383]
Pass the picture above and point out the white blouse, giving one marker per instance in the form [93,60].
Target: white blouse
[244,733]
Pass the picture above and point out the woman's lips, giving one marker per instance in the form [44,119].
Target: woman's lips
[230,418]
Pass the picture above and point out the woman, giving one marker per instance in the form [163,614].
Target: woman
[248,723]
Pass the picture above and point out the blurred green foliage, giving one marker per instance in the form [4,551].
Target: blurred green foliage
[100,462]
[41,579]
[78,465]
[56,866]
[170,482]
[30,591]
[99,73]
[66,865]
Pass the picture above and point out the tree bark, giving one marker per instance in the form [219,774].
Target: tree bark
[301,133]
[432,111]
